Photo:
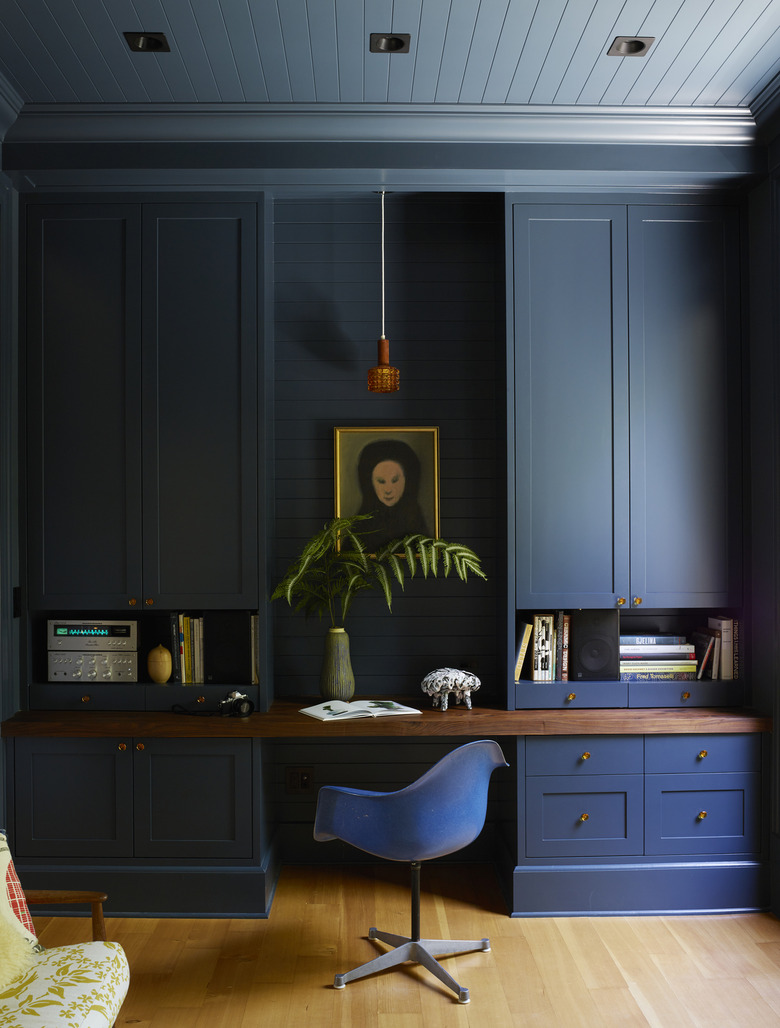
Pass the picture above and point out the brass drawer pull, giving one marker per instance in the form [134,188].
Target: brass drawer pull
[685,696]
[702,755]
[701,815]
[585,756]
[584,817]
[571,696]
[86,699]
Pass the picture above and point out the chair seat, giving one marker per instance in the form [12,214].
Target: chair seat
[82,985]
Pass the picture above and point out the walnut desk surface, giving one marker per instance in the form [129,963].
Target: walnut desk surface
[284,721]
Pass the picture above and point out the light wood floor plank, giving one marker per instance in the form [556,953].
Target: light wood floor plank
[721,971]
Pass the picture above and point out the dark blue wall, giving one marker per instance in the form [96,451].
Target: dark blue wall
[445,321]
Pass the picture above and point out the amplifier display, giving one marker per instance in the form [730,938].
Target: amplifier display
[92,635]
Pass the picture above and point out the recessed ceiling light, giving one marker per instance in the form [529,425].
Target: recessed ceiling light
[389,43]
[147,42]
[630,46]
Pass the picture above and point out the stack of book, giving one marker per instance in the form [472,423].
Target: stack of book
[657,658]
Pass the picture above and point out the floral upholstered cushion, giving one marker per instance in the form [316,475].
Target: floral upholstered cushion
[77,986]
[13,906]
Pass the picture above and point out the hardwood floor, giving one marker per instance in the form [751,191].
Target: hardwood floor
[712,971]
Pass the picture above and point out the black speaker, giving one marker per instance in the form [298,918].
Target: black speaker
[594,646]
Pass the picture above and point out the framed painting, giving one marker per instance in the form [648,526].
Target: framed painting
[392,474]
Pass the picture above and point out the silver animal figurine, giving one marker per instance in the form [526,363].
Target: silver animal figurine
[448,681]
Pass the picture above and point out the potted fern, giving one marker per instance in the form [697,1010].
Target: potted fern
[336,564]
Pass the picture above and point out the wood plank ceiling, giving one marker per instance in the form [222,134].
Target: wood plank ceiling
[707,54]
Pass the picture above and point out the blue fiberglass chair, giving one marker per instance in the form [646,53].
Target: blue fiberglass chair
[441,812]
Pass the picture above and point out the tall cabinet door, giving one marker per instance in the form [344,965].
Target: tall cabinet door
[83,497]
[571,405]
[686,485]
[200,405]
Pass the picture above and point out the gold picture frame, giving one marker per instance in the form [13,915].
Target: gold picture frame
[404,464]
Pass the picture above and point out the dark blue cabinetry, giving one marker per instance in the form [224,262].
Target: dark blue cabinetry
[627,418]
[142,433]
[619,824]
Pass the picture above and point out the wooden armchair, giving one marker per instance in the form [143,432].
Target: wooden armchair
[50,897]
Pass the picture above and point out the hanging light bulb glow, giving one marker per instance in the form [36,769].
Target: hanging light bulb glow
[383,378]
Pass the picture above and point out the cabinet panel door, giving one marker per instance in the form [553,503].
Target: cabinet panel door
[193,798]
[83,393]
[200,405]
[686,486]
[703,813]
[571,414]
[74,798]
[584,816]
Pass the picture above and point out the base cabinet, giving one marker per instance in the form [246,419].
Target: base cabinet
[163,825]
[643,824]
[129,797]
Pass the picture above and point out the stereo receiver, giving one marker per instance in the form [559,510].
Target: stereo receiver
[92,651]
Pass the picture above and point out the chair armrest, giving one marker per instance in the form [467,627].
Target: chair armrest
[95,900]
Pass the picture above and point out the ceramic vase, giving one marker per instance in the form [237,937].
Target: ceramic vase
[337,682]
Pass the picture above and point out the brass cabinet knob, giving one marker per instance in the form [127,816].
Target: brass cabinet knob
[701,815]
[201,699]
[702,755]
[149,602]
[86,699]
[585,756]
[140,746]
[637,601]
[571,696]
[685,696]
[621,601]
[584,817]
[122,746]
[132,601]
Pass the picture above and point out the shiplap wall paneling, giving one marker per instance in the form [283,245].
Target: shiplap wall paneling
[444,319]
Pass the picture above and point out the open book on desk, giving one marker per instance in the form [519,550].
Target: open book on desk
[339,710]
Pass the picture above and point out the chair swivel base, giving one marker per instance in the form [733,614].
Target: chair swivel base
[423,951]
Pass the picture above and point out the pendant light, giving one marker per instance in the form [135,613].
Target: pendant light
[383,378]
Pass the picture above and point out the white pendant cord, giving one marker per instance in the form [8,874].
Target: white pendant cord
[383,265]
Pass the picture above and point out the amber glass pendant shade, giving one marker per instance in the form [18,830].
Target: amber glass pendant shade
[383,378]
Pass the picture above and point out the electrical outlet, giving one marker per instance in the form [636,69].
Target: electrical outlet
[298,779]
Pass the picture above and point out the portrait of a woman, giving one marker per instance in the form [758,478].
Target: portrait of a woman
[392,483]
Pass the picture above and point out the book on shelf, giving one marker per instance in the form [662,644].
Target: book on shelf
[657,676]
[652,640]
[563,669]
[524,632]
[659,665]
[705,644]
[714,670]
[658,651]
[543,650]
[340,710]
[726,627]
[187,648]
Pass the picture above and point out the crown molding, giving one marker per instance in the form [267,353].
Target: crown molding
[386,123]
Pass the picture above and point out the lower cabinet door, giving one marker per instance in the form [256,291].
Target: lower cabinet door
[193,798]
[703,814]
[584,816]
[73,798]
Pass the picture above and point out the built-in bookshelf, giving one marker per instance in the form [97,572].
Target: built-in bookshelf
[602,658]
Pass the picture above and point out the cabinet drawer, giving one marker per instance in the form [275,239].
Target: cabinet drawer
[584,755]
[584,816]
[686,694]
[702,753]
[718,813]
[96,696]
[577,695]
